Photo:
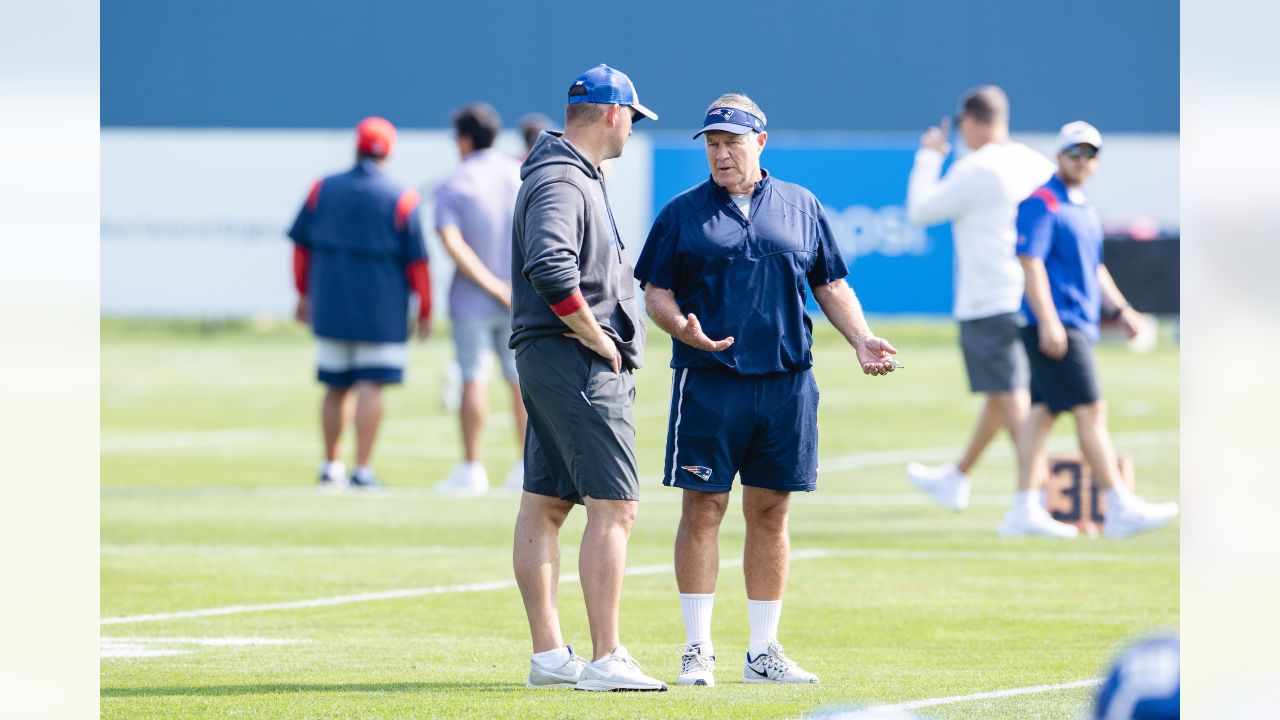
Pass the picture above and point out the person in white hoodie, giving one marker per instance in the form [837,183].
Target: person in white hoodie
[979,195]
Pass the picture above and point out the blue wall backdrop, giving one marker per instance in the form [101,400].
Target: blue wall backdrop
[847,64]
[893,266]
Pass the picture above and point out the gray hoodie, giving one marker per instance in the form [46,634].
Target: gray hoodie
[564,238]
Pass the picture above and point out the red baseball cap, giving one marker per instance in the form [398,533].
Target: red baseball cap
[375,136]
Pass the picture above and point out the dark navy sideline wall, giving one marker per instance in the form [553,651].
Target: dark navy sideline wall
[857,64]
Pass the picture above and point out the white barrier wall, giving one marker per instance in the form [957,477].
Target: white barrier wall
[194,221]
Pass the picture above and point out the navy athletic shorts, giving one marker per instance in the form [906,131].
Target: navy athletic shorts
[762,428]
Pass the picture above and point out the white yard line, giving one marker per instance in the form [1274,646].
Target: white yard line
[994,694]
[637,570]
[135,647]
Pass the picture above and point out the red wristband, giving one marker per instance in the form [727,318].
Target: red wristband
[569,305]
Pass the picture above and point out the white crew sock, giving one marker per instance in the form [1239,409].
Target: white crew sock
[696,609]
[552,659]
[364,472]
[335,470]
[1027,500]
[763,616]
[1119,497]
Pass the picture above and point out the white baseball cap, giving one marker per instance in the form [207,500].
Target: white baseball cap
[1078,132]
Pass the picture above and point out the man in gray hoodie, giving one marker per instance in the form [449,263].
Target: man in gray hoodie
[577,337]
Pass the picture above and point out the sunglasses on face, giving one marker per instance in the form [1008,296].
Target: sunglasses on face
[1081,151]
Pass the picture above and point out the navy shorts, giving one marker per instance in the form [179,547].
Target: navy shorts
[1066,383]
[762,428]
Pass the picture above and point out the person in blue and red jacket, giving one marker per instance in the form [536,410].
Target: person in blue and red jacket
[358,253]
[1060,247]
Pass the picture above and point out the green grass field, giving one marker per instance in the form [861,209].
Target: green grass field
[209,449]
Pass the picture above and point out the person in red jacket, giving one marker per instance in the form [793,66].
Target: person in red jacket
[358,253]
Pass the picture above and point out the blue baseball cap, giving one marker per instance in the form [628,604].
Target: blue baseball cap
[602,84]
[730,120]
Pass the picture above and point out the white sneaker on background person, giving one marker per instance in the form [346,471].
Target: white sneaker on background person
[332,476]
[515,478]
[697,666]
[948,486]
[617,671]
[1128,514]
[565,676]
[467,478]
[1032,520]
[772,665]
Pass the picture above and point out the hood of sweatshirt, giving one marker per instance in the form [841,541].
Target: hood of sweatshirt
[552,149]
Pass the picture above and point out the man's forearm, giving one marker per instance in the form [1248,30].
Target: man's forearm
[467,262]
[1037,289]
[661,305]
[1110,290]
[841,306]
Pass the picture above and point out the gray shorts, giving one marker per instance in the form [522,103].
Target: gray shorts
[993,353]
[473,337]
[581,441]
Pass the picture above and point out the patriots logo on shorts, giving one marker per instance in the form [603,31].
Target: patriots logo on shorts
[702,473]
[725,113]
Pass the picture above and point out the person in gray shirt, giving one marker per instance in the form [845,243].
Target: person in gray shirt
[577,336]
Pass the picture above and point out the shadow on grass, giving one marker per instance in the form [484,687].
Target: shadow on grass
[285,688]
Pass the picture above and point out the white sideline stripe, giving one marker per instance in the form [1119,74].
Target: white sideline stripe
[994,694]
[135,647]
[325,550]
[637,570]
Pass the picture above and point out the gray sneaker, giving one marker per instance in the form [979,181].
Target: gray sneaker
[617,671]
[565,676]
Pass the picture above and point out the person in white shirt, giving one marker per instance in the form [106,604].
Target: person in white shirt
[979,195]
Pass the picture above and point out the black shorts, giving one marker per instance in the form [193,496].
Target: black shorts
[1066,383]
[581,441]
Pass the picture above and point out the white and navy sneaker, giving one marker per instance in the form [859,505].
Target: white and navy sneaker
[1137,515]
[773,666]
[365,481]
[697,668]
[332,479]
[565,676]
[1023,521]
[617,671]
[948,486]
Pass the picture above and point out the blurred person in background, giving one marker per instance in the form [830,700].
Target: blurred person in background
[474,207]
[358,253]
[1060,248]
[1144,683]
[732,258]
[532,125]
[979,196]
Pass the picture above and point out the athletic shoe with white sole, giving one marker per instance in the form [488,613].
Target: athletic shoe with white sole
[617,671]
[1137,516]
[1034,521]
[466,479]
[697,668]
[773,666]
[948,486]
[565,676]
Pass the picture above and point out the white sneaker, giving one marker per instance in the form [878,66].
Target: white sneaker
[515,478]
[1034,521]
[1137,516]
[696,668]
[773,666]
[565,676]
[466,479]
[617,671]
[948,486]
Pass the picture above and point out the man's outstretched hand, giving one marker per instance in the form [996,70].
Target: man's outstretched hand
[876,356]
[691,334]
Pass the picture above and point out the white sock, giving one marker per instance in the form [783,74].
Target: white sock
[552,659]
[335,470]
[1027,499]
[763,616]
[696,609]
[1118,497]
[364,472]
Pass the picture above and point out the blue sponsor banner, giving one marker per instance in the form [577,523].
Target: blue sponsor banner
[894,266]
